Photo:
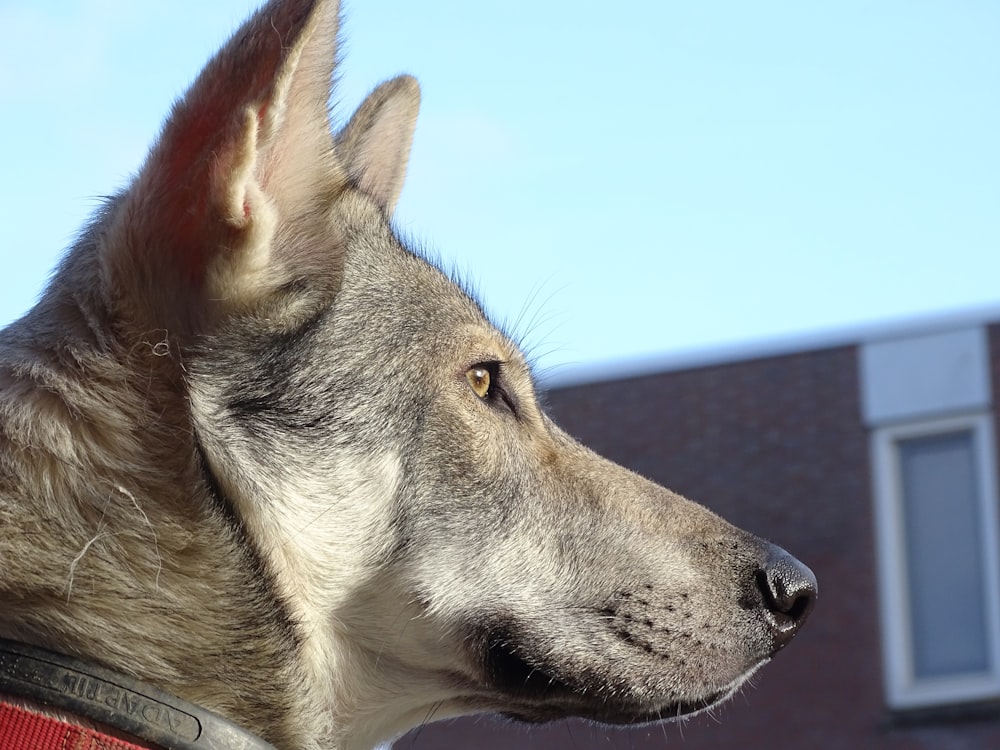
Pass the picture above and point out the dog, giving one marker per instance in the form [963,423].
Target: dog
[259,454]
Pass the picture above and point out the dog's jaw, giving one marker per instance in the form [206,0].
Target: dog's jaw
[533,694]
[533,689]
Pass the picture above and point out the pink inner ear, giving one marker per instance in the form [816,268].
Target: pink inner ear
[193,174]
[194,163]
[186,199]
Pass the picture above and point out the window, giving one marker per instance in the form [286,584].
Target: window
[936,507]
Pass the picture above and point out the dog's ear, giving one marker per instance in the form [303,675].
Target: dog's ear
[375,145]
[229,206]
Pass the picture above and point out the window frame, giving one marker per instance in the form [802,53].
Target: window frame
[903,689]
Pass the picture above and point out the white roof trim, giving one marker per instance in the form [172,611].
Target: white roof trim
[864,333]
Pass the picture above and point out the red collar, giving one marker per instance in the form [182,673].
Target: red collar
[21,729]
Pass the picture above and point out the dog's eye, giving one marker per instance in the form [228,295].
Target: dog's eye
[486,383]
[480,378]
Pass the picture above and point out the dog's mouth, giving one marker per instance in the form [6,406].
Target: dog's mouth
[534,693]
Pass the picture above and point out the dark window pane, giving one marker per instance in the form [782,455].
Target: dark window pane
[944,555]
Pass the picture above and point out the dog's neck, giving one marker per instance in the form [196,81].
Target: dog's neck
[51,701]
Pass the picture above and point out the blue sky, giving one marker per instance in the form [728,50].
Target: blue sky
[620,180]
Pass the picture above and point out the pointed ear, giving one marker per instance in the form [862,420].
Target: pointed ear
[244,153]
[375,145]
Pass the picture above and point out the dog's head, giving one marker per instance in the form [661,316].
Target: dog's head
[437,544]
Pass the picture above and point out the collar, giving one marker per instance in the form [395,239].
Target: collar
[60,682]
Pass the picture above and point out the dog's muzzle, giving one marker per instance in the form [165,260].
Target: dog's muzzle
[71,686]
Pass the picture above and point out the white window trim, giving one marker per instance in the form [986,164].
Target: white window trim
[903,690]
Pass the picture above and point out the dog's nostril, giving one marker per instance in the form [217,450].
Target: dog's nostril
[786,606]
[789,592]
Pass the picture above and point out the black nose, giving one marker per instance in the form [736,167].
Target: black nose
[789,592]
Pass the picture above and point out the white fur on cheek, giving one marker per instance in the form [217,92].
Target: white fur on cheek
[327,546]
[323,540]
[323,525]
[325,535]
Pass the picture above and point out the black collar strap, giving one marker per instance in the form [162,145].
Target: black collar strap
[115,700]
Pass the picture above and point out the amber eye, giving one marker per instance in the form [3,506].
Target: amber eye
[480,379]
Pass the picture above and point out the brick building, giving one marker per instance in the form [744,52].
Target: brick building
[870,456]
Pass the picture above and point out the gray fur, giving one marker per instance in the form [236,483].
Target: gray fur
[241,459]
